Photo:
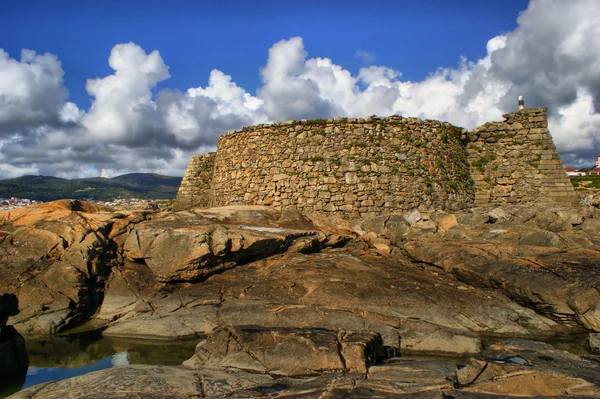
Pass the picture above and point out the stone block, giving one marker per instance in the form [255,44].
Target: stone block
[350,178]
[329,207]
[538,130]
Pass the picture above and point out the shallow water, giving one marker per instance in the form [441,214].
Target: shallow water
[60,357]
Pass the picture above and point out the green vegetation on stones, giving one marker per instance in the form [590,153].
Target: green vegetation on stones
[480,163]
[316,121]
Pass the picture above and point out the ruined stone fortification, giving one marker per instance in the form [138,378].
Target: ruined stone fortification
[373,165]
[515,161]
[195,186]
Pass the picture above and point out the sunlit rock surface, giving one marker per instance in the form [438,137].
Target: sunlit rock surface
[315,304]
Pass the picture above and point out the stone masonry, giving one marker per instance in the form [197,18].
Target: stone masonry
[515,161]
[194,191]
[372,166]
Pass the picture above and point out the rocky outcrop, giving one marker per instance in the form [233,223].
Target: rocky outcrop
[504,369]
[54,258]
[291,352]
[187,248]
[541,259]
[68,260]
[287,305]
[420,280]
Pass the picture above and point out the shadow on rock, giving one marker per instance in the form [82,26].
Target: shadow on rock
[13,356]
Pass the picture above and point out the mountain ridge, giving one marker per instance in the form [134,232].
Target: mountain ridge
[48,188]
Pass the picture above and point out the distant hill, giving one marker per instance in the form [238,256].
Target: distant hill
[47,188]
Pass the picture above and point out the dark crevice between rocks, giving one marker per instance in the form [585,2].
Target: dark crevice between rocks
[341,241]
[270,389]
[99,270]
[340,338]
[458,385]
[256,252]
[201,386]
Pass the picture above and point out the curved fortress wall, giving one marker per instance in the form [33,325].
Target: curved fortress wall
[374,166]
[354,166]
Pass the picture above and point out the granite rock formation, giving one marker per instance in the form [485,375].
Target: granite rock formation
[288,305]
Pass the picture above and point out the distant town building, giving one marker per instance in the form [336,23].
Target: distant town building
[13,202]
[596,170]
[571,171]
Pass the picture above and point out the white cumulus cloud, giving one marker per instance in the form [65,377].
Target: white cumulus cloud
[552,58]
[123,110]
[31,91]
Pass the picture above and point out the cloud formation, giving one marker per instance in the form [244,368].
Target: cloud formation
[365,56]
[123,111]
[31,91]
[552,58]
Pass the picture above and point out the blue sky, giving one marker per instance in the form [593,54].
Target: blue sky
[112,87]
[194,37]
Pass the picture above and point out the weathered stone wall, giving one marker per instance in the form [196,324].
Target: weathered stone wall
[194,191]
[375,165]
[355,166]
[515,161]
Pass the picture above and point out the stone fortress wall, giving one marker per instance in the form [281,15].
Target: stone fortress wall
[372,166]
[195,185]
[515,161]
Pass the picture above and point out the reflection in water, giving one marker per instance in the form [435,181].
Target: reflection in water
[60,357]
[36,375]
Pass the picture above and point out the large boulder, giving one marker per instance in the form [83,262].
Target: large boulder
[177,248]
[292,352]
